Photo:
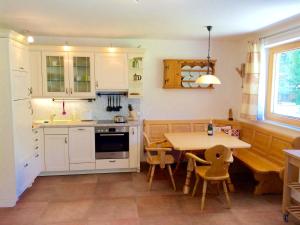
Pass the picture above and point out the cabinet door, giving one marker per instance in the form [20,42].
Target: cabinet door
[55,74]
[133,148]
[82,145]
[56,153]
[81,73]
[19,56]
[111,71]
[35,71]
[20,85]
[22,119]
[172,78]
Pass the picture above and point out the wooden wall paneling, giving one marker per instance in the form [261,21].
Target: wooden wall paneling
[181,127]
[276,150]
[261,142]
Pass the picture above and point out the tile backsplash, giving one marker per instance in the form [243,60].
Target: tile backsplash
[79,109]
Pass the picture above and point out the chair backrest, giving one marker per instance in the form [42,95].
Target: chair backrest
[296,143]
[217,155]
[160,152]
[146,140]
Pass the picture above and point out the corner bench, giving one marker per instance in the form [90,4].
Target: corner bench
[265,157]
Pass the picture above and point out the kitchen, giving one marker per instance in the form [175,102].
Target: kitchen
[70,141]
[85,113]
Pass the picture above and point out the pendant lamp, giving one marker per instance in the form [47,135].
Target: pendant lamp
[208,78]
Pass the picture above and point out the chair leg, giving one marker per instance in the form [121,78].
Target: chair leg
[172,178]
[196,185]
[226,194]
[149,172]
[151,176]
[203,194]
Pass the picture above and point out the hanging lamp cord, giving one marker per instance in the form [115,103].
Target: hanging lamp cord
[208,55]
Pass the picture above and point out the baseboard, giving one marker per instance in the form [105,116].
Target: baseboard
[7,203]
[90,172]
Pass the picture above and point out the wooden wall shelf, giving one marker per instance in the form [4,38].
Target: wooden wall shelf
[182,73]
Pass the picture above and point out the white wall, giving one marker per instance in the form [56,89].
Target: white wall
[159,103]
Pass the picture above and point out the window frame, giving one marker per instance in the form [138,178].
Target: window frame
[289,120]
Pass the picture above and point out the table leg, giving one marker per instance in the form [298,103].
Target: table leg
[181,155]
[187,184]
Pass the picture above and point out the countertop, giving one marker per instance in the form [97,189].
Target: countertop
[79,123]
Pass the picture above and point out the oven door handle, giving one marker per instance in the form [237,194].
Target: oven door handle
[106,135]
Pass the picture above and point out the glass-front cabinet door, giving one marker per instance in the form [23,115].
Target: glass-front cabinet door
[55,74]
[81,68]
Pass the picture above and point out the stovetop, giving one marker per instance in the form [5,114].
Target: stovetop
[108,122]
[105,122]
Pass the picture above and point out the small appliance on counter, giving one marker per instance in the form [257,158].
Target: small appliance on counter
[132,114]
[120,119]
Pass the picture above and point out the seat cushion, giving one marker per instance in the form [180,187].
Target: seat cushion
[201,171]
[155,160]
[257,162]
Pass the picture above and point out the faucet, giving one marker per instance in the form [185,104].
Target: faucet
[52,117]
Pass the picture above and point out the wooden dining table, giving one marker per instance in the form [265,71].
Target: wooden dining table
[195,141]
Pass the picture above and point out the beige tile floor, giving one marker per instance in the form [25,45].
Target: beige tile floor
[123,199]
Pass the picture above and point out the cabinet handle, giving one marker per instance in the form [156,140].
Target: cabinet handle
[36,139]
[112,161]
[80,129]
[66,140]
[67,91]
[35,131]
[132,131]
[96,84]
[21,68]
[37,147]
[37,155]
[26,165]
[71,91]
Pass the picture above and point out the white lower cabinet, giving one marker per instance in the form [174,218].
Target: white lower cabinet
[133,148]
[82,148]
[73,149]
[56,152]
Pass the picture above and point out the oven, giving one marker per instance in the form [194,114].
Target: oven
[112,142]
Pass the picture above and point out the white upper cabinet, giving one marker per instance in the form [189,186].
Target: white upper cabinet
[19,56]
[111,71]
[81,74]
[55,74]
[35,70]
[82,144]
[68,74]
[20,78]
[21,88]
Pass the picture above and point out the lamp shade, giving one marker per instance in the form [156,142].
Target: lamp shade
[208,79]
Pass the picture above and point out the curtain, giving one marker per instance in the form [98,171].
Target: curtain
[249,107]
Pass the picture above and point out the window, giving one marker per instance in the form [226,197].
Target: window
[283,101]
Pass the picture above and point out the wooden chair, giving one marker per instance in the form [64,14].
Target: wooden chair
[215,169]
[157,155]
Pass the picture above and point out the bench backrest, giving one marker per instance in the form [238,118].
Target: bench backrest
[265,142]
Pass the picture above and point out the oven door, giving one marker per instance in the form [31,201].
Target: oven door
[112,145]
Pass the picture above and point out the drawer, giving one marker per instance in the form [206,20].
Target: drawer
[112,163]
[82,166]
[55,131]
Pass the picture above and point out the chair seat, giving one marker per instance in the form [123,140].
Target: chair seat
[156,160]
[201,171]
